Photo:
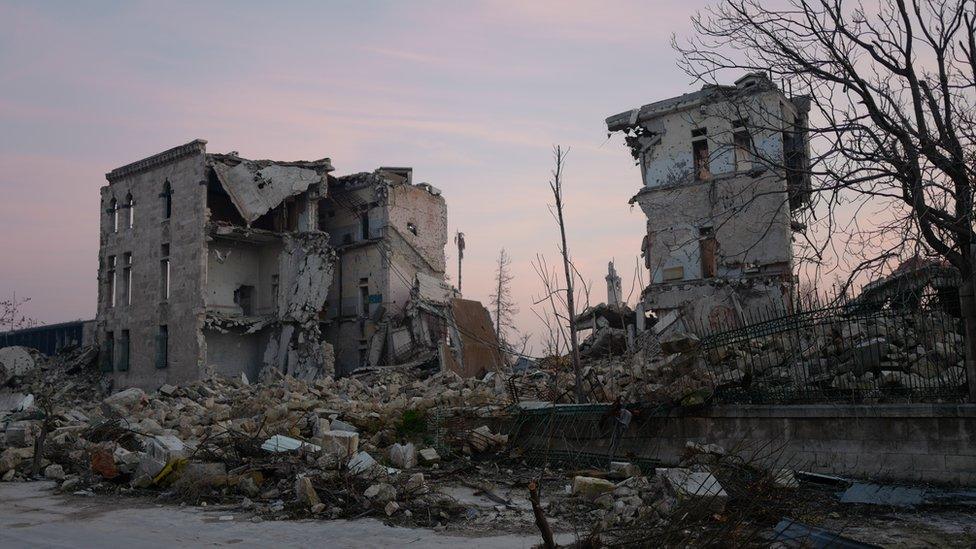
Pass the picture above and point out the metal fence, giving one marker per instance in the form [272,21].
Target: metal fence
[844,352]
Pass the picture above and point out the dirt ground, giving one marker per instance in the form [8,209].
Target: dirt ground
[33,516]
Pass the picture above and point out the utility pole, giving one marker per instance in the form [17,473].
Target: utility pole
[459,240]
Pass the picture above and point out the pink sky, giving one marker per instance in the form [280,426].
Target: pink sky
[472,96]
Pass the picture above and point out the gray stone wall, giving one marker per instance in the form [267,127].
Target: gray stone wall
[183,311]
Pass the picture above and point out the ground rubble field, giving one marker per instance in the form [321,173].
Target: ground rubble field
[414,449]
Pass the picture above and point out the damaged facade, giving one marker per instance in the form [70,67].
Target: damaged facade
[215,263]
[211,261]
[722,181]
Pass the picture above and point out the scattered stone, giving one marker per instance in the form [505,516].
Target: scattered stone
[380,493]
[623,469]
[339,425]
[590,487]
[403,456]
[340,443]
[15,362]
[685,484]
[305,492]
[165,448]
[429,456]
[391,508]
[167,390]
[361,463]
[416,484]
[54,472]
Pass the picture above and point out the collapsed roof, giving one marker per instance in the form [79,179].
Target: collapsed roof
[257,186]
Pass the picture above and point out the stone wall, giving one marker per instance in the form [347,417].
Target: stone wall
[184,168]
[896,442]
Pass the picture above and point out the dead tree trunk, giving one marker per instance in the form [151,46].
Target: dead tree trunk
[557,191]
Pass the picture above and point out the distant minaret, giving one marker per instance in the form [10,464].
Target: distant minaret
[614,286]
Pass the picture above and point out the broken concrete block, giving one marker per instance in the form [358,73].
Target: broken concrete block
[147,470]
[11,458]
[361,463]
[15,362]
[210,472]
[429,456]
[54,472]
[340,443]
[339,425]
[391,508]
[623,469]
[380,493]
[679,343]
[305,492]
[318,508]
[320,426]
[126,401]
[167,389]
[784,478]
[416,484]
[165,447]
[701,486]
[590,487]
[249,487]
[403,456]
[281,443]
[103,462]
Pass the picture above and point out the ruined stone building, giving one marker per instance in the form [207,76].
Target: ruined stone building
[387,232]
[722,178]
[216,263]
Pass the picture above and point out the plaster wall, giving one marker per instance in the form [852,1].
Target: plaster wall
[232,264]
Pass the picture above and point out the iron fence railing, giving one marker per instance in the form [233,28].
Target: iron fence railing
[840,353]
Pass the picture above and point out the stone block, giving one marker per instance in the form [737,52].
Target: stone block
[305,492]
[429,456]
[340,443]
[403,456]
[380,493]
[165,447]
[700,486]
[590,487]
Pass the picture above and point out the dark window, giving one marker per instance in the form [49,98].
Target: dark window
[707,247]
[162,347]
[699,132]
[113,210]
[364,223]
[742,143]
[108,353]
[244,298]
[127,278]
[123,362]
[167,196]
[111,281]
[130,209]
[700,152]
[164,272]
[412,227]
[364,299]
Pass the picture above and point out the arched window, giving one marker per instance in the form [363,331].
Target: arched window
[113,210]
[131,207]
[167,196]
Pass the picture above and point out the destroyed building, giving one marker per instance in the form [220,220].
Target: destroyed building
[723,178]
[388,234]
[212,263]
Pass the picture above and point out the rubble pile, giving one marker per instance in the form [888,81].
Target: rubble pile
[282,448]
[675,373]
[843,354]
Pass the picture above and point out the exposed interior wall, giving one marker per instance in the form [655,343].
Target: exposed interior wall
[229,354]
[232,265]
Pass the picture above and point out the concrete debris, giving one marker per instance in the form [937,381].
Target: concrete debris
[429,456]
[380,493]
[281,443]
[305,492]
[700,486]
[15,362]
[343,444]
[403,456]
[590,487]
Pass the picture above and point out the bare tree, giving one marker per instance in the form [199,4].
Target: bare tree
[556,185]
[892,88]
[12,316]
[504,307]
